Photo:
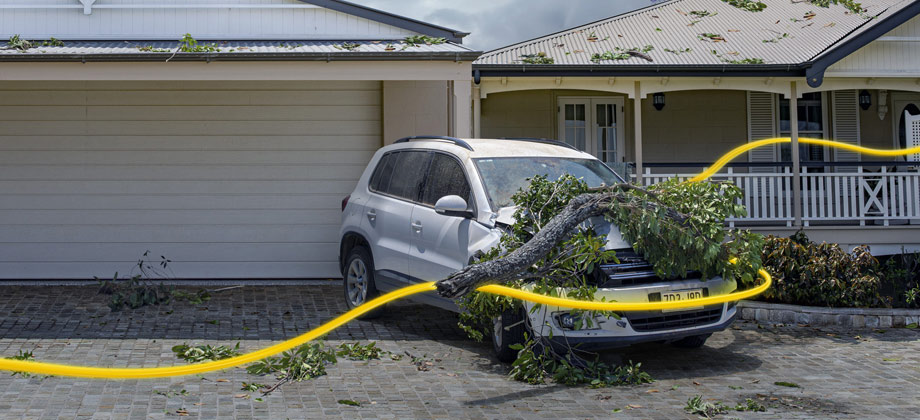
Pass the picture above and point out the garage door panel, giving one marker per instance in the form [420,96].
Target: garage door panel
[227,98]
[302,202]
[301,157]
[207,128]
[218,252]
[170,217]
[228,179]
[174,143]
[180,172]
[224,113]
[145,234]
[187,85]
[183,270]
[176,187]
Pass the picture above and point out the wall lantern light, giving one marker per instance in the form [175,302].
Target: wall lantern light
[865,99]
[658,101]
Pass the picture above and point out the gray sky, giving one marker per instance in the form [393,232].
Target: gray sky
[496,23]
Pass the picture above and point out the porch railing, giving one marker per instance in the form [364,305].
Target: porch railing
[878,193]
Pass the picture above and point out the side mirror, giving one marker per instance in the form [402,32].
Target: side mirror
[452,205]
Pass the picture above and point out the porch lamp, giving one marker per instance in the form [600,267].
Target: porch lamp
[865,99]
[658,101]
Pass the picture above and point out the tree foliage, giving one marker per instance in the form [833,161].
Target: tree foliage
[677,227]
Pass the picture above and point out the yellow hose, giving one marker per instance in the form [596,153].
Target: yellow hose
[43,368]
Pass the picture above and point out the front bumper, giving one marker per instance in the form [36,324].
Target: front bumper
[639,327]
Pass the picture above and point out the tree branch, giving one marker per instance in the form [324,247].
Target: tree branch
[514,264]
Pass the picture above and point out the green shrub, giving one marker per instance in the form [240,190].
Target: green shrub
[806,273]
[901,279]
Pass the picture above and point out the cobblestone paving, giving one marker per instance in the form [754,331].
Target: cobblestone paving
[841,375]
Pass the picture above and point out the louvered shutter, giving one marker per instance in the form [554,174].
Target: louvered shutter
[845,110]
[761,125]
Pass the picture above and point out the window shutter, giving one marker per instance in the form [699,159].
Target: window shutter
[845,110]
[761,125]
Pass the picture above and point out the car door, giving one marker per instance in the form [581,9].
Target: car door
[395,187]
[442,244]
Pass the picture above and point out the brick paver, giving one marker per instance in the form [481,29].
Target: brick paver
[842,375]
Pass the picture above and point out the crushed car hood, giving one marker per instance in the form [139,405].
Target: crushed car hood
[615,240]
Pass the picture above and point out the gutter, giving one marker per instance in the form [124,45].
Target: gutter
[241,56]
[583,70]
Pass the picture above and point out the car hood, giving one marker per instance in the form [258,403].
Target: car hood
[615,240]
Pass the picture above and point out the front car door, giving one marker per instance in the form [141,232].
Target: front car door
[395,187]
[442,244]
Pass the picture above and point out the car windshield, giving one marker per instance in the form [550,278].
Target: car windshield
[507,175]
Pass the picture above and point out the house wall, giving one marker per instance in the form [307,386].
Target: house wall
[280,20]
[412,108]
[716,119]
[874,132]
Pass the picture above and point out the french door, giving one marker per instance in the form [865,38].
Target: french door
[594,125]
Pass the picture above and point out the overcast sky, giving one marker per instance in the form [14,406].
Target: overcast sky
[496,23]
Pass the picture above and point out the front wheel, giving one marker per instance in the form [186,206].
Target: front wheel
[359,281]
[507,329]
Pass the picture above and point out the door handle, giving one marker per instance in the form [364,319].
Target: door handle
[372,215]
[417,227]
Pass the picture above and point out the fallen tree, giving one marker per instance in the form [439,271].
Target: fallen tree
[678,227]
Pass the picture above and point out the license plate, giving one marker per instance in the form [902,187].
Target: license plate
[679,296]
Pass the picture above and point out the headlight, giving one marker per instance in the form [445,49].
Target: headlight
[570,321]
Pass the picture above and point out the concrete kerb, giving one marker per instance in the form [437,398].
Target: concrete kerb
[857,318]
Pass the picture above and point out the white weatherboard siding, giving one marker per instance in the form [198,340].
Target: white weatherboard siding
[250,19]
[892,55]
[228,179]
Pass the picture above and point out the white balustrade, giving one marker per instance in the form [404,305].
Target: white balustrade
[861,197]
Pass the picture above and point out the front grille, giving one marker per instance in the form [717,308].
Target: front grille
[630,271]
[657,321]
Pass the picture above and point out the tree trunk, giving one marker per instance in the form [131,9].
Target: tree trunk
[512,265]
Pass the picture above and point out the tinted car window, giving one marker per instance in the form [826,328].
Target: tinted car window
[445,177]
[381,177]
[408,174]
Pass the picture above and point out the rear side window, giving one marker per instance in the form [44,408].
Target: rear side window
[380,180]
[408,174]
[445,178]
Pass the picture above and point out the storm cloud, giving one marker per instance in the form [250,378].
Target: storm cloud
[496,23]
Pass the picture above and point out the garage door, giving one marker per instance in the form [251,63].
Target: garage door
[227,179]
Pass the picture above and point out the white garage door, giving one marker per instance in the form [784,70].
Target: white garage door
[227,179]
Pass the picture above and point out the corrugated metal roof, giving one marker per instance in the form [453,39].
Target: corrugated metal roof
[783,33]
[240,49]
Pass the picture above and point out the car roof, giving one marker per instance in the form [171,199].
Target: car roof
[494,148]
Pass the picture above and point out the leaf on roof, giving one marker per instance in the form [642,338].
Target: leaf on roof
[678,51]
[693,23]
[830,25]
[681,12]
[706,36]
[749,5]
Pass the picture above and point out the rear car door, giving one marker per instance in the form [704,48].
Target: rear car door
[395,187]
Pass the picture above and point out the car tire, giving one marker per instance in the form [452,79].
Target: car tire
[358,281]
[691,342]
[503,337]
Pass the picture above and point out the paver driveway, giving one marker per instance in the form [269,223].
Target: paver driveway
[874,375]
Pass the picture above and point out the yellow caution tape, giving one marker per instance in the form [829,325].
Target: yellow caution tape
[43,368]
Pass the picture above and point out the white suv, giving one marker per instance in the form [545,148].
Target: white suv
[425,206]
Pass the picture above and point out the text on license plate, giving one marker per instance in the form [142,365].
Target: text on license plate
[681,295]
